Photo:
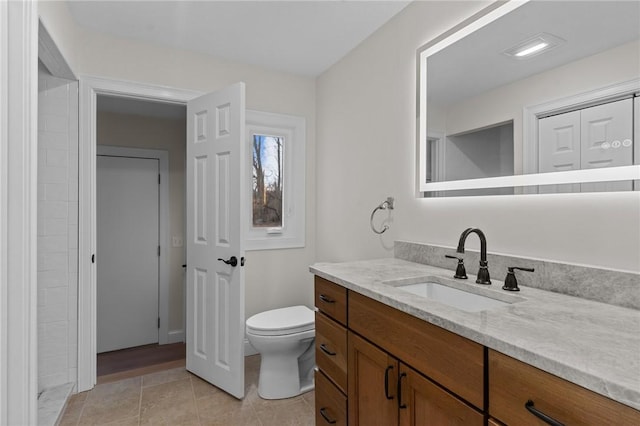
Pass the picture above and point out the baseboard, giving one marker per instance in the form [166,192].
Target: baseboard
[248,349]
[176,336]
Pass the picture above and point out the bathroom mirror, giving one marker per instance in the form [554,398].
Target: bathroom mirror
[531,97]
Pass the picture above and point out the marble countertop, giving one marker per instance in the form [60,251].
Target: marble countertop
[592,344]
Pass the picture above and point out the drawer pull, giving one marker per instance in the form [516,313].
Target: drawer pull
[386,382]
[326,350]
[400,404]
[326,417]
[542,416]
[326,299]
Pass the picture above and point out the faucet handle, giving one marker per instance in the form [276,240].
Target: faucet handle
[461,272]
[510,282]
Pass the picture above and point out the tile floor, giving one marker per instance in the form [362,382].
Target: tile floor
[176,397]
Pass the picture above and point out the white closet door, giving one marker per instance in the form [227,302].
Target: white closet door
[607,134]
[127,252]
[559,148]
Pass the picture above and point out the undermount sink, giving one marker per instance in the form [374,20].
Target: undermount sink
[453,297]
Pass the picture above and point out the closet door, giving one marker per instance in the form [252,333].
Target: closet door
[607,135]
[559,148]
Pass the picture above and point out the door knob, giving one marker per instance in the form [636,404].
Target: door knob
[233,261]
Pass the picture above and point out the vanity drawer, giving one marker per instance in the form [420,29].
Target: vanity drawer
[331,299]
[451,360]
[331,350]
[512,383]
[331,404]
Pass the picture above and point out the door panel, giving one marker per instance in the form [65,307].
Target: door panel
[369,402]
[215,290]
[607,132]
[127,245]
[427,404]
[559,148]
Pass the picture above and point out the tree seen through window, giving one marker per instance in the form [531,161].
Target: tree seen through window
[267,180]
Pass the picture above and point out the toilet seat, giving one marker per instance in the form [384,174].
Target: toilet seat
[283,321]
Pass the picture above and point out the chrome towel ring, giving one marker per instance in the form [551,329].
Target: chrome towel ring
[387,204]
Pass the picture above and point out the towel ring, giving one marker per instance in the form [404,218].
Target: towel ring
[386,204]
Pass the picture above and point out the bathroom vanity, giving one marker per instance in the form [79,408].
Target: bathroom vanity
[387,356]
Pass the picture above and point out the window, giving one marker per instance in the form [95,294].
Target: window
[276,151]
[267,181]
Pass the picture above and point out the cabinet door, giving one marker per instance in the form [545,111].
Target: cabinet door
[423,403]
[372,384]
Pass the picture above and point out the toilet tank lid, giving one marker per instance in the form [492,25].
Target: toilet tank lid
[293,317]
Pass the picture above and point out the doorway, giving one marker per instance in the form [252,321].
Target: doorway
[216,121]
[139,229]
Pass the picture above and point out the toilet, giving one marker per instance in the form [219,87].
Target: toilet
[285,340]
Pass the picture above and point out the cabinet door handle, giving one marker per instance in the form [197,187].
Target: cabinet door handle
[542,416]
[386,382]
[323,413]
[326,350]
[326,299]
[400,404]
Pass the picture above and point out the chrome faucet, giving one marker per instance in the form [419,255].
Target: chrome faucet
[483,272]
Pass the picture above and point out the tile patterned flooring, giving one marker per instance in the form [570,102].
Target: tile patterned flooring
[176,397]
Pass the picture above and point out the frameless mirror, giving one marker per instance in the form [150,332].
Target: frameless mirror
[532,93]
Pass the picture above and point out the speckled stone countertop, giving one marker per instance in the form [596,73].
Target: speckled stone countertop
[592,344]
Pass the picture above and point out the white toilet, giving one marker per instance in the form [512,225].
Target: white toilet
[285,340]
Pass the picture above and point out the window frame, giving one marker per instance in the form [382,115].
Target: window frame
[293,130]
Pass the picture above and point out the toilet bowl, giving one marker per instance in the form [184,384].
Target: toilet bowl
[285,340]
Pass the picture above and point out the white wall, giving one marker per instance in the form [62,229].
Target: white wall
[366,147]
[57,230]
[274,278]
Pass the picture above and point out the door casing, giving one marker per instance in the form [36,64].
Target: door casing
[90,88]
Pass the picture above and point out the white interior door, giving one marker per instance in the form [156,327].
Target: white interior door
[215,290]
[559,148]
[127,245]
[607,141]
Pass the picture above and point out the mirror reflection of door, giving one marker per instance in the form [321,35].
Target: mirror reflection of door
[127,244]
[599,136]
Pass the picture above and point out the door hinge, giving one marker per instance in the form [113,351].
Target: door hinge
[158,251]
[159,178]
[158,322]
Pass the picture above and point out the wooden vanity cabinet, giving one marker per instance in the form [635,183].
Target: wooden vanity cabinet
[331,353]
[384,391]
[380,366]
[513,383]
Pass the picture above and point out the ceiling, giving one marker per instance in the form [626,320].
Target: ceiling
[302,37]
